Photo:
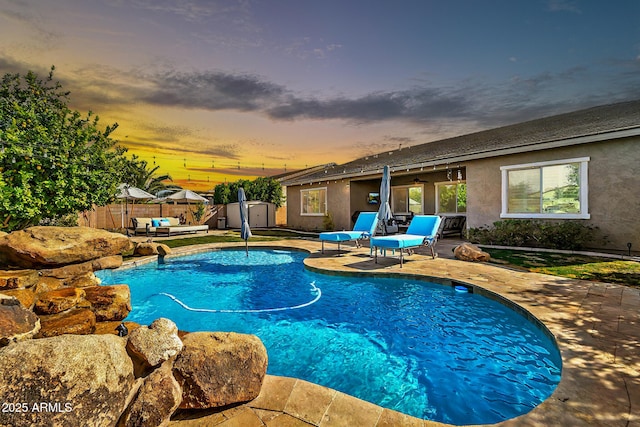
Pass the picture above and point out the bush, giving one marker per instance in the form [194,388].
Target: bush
[568,235]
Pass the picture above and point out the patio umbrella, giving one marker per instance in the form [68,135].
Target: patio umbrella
[384,213]
[245,231]
[127,192]
[186,196]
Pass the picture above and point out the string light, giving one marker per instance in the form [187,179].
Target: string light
[40,151]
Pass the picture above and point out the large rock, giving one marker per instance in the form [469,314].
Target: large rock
[83,268]
[46,284]
[109,302]
[86,280]
[151,248]
[468,252]
[157,399]
[50,247]
[79,321]
[155,344]
[26,297]
[59,300]
[15,279]
[145,249]
[163,249]
[218,369]
[16,322]
[69,380]
[111,327]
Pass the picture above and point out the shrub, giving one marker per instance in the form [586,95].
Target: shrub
[568,235]
[327,222]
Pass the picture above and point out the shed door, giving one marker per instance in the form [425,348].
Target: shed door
[258,215]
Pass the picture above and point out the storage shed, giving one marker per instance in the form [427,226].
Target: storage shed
[261,214]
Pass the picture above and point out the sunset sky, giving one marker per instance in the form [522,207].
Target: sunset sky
[218,90]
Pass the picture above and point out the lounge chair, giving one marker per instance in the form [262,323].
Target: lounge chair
[363,228]
[423,230]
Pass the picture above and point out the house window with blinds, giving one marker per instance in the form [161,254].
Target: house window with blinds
[313,201]
[554,190]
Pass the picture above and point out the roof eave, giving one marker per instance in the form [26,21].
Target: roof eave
[537,146]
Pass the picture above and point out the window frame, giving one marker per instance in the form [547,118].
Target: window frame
[584,190]
[407,186]
[306,190]
[437,200]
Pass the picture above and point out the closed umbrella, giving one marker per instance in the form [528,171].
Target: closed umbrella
[245,231]
[384,213]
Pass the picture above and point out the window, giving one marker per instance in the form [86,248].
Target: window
[313,201]
[554,190]
[451,197]
[407,199]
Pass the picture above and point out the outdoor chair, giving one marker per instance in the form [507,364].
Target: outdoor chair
[363,229]
[423,230]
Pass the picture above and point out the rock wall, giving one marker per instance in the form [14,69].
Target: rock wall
[49,271]
[61,362]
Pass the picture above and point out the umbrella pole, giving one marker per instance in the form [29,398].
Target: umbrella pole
[246,247]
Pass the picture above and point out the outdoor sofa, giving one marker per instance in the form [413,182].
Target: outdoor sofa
[165,225]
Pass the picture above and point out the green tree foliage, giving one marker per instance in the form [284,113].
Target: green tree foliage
[265,189]
[53,161]
[139,174]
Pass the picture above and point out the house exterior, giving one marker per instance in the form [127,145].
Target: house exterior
[581,166]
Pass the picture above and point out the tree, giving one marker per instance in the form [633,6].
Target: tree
[265,189]
[53,161]
[138,174]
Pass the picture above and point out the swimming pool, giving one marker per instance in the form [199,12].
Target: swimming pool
[417,347]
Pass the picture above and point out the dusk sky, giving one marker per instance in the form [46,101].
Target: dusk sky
[221,90]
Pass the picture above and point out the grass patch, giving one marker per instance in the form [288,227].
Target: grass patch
[572,266]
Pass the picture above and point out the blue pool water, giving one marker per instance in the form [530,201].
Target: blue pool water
[421,348]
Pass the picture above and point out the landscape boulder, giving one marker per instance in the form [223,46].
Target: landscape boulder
[83,268]
[16,322]
[156,343]
[51,247]
[109,302]
[26,297]
[59,300]
[156,401]
[219,368]
[79,321]
[469,252]
[163,249]
[14,279]
[69,380]
[151,248]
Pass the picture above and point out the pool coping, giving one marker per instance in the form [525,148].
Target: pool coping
[596,327]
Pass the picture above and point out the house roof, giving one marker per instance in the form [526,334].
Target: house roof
[590,125]
[301,173]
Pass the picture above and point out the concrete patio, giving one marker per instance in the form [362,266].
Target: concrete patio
[596,325]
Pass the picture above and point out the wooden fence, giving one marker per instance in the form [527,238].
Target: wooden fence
[118,216]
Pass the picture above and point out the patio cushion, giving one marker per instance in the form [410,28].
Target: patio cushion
[397,241]
[341,236]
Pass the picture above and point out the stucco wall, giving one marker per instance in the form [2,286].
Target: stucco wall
[337,206]
[614,187]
